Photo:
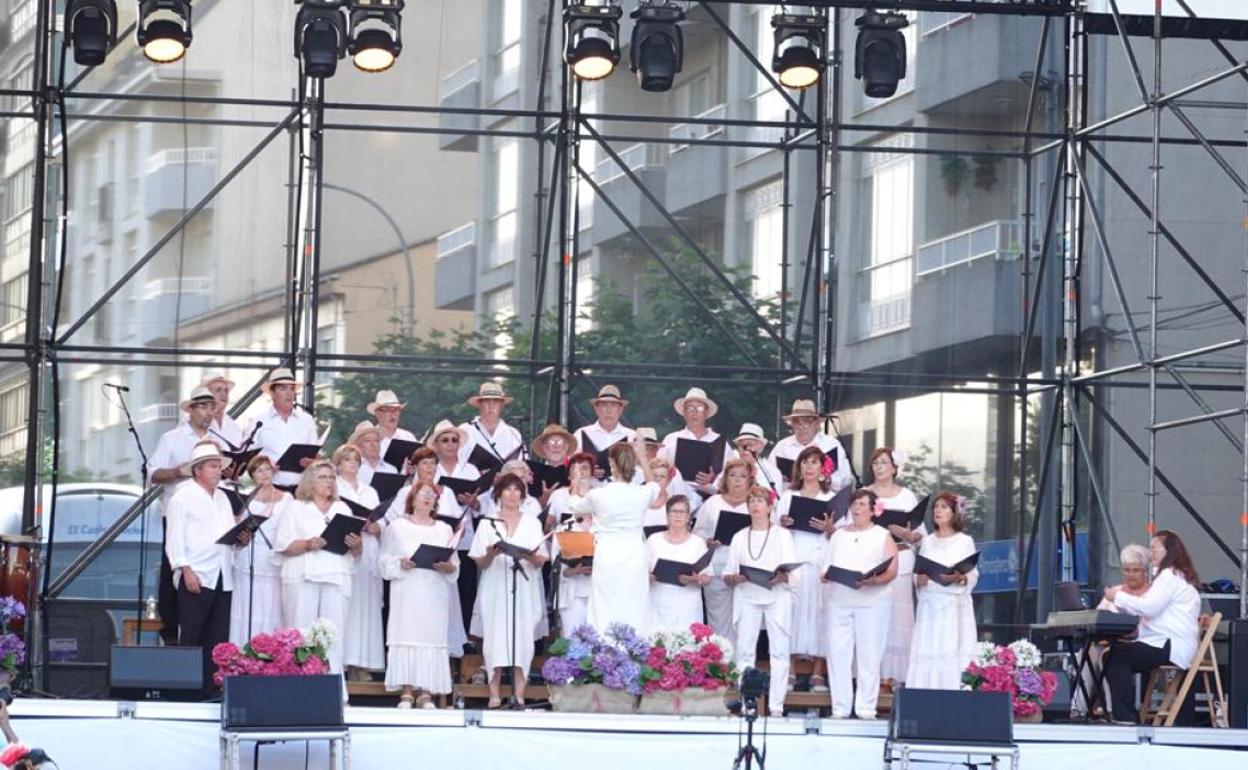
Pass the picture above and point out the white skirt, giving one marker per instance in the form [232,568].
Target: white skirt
[900,631]
[944,641]
[674,606]
[423,666]
[807,625]
[363,643]
[267,616]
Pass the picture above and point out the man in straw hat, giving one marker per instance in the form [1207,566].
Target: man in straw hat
[367,438]
[804,421]
[223,425]
[696,409]
[750,442]
[386,409]
[283,424]
[607,429]
[199,513]
[488,430]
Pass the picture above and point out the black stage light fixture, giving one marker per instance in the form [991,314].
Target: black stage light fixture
[320,37]
[880,54]
[657,50]
[592,39]
[91,28]
[375,34]
[799,51]
[164,29]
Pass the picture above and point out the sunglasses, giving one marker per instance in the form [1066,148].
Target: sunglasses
[448,440]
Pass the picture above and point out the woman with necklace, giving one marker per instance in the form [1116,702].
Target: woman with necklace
[416,641]
[364,645]
[677,606]
[507,635]
[809,481]
[257,609]
[766,546]
[894,497]
[316,583]
[944,626]
[718,594]
[857,616]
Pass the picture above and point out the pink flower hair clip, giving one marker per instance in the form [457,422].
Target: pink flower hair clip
[878,508]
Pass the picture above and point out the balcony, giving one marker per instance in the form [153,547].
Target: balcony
[1000,240]
[455,273]
[972,64]
[887,307]
[696,174]
[648,162]
[460,89]
[168,170]
[160,304]
[159,413]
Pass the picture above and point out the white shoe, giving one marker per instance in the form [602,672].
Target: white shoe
[405,704]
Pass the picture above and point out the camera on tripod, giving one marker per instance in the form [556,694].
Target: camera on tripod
[754,682]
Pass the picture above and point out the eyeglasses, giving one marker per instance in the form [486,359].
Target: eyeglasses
[695,406]
[448,440]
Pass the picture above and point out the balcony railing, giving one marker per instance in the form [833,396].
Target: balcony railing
[934,21]
[697,130]
[888,287]
[159,413]
[1000,239]
[460,238]
[637,157]
[167,286]
[459,79]
[177,155]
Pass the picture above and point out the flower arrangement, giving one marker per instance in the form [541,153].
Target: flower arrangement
[12,648]
[585,657]
[286,652]
[1014,669]
[693,658]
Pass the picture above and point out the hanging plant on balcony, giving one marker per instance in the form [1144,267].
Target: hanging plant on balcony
[953,170]
[986,172]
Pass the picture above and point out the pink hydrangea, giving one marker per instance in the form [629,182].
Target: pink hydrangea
[701,631]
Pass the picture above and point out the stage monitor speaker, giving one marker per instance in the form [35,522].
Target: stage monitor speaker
[951,716]
[305,702]
[1238,679]
[155,673]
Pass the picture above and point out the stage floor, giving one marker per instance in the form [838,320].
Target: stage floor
[102,735]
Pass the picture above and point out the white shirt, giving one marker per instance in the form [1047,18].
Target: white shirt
[764,550]
[788,448]
[707,522]
[303,520]
[399,433]
[228,429]
[277,434]
[367,469]
[174,450]
[1169,612]
[196,518]
[601,437]
[505,440]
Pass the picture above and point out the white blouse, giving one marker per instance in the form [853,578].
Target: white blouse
[1169,612]
[764,550]
[303,520]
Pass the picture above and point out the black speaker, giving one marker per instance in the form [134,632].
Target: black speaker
[951,716]
[270,702]
[155,673]
[1238,679]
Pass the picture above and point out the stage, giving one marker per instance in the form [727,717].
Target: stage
[105,734]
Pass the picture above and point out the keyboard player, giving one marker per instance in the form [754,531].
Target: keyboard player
[1133,561]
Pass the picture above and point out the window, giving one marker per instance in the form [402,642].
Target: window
[21,79]
[13,406]
[692,97]
[766,101]
[20,189]
[764,220]
[504,220]
[14,299]
[584,295]
[888,182]
[506,59]
[499,309]
[22,17]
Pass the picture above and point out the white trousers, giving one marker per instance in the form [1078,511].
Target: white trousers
[304,602]
[776,617]
[717,596]
[856,639]
[574,613]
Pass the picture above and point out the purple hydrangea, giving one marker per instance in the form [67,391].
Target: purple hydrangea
[11,609]
[585,633]
[1029,682]
[624,676]
[12,645]
[559,670]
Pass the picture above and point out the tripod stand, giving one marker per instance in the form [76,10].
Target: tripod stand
[749,753]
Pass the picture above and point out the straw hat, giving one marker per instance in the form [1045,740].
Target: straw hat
[648,435]
[363,428]
[205,450]
[200,394]
[696,394]
[212,377]
[279,377]
[550,431]
[802,407]
[609,393]
[446,426]
[384,398]
[751,431]
[489,391]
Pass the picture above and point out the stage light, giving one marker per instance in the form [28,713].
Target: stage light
[799,50]
[375,39]
[91,28]
[657,50]
[592,39]
[320,37]
[880,54]
[164,29]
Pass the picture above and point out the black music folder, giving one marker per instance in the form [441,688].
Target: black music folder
[729,524]
[694,457]
[291,460]
[600,455]
[249,524]
[240,458]
[238,501]
[763,577]
[553,476]
[400,450]
[803,510]
[468,486]
[484,459]
[451,521]
[934,569]
[668,571]
[579,561]
[513,550]
[785,466]
[366,513]
[428,555]
[909,519]
[387,484]
[336,531]
[851,578]
[650,529]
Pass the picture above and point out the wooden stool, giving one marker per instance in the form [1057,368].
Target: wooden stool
[132,627]
[1178,683]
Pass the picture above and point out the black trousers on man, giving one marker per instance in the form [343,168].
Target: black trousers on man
[166,593]
[1126,659]
[204,621]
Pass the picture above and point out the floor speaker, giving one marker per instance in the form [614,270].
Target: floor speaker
[306,702]
[951,716]
[155,673]
[1238,679]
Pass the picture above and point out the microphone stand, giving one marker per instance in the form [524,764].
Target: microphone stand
[138,442]
[516,569]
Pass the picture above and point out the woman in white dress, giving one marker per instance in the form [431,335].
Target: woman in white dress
[257,607]
[316,583]
[507,637]
[573,592]
[416,639]
[763,545]
[718,594]
[901,628]
[857,617]
[620,583]
[808,481]
[944,625]
[364,646]
[677,606]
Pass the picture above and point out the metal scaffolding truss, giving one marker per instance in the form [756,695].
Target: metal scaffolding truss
[805,339]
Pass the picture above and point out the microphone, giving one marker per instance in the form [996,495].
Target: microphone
[120,388]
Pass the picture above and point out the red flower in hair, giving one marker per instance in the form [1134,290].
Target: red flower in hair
[13,753]
[828,466]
